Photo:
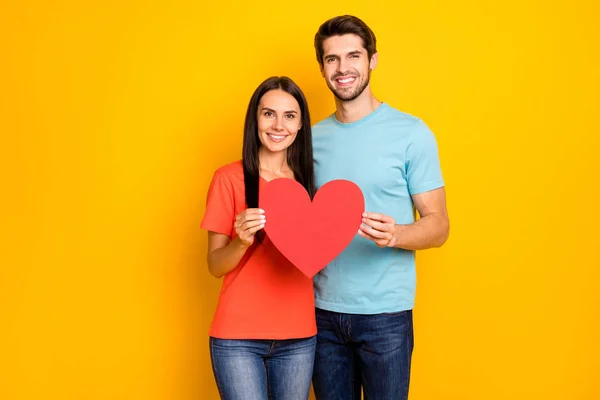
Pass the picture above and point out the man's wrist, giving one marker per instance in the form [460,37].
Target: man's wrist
[396,236]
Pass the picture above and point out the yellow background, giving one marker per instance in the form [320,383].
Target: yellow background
[115,114]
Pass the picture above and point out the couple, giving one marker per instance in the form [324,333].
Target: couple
[266,339]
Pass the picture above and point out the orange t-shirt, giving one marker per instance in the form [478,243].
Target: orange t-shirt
[265,296]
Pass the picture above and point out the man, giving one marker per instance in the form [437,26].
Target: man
[365,297]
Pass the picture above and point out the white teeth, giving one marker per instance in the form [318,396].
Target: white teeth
[346,80]
[277,137]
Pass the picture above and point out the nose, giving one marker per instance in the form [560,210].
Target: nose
[278,124]
[342,66]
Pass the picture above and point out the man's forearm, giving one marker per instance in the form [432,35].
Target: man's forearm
[429,231]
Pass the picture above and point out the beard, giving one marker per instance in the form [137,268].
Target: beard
[349,96]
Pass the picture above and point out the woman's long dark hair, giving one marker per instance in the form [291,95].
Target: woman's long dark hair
[299,154]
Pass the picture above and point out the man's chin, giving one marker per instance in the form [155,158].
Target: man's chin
[345,96]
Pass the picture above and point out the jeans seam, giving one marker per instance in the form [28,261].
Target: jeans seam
[353,376]
[409,347]
[213,368]
[350,327]
[265,361]
[346,334]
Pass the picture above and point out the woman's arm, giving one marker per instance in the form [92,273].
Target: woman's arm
[225,254]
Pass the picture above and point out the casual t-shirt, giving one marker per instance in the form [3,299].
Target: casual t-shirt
[391,156]
[265,296]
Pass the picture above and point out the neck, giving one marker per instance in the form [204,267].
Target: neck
[272,162]
[354,110]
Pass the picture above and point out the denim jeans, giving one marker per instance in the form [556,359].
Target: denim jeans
[368,352]
[263,369]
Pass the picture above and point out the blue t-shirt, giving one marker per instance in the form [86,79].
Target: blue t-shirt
[390,155]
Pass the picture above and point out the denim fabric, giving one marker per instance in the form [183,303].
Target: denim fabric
[263,369]
[368,352]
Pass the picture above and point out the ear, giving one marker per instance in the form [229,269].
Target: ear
[373,62]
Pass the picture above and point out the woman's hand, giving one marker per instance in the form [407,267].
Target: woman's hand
[247,223]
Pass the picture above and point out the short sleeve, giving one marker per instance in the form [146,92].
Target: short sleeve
[220,206]
[423,170]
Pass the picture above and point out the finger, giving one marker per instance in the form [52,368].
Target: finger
[252,231]
[378,242]
[251,217]
[379,217]
[249,212]
[375,233]
[248,236]
[379,226]
[254,211]
[251,224]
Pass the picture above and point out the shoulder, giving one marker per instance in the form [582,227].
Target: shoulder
[412,127]
[403,118]
[230,176]
[232,171]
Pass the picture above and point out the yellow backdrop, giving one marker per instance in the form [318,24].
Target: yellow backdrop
[115,114]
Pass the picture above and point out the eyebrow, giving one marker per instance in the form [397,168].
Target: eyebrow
[270,109]
[350,53]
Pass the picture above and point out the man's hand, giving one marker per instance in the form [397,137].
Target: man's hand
[379,228]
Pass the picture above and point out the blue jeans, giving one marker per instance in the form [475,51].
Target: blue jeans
[263,369]
[355,351]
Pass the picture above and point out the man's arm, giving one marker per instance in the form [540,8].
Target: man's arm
[431,230]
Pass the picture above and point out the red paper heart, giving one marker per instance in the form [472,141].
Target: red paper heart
[311,234]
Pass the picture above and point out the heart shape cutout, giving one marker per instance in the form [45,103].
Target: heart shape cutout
[311,234]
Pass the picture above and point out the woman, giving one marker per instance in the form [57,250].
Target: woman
[262,338]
